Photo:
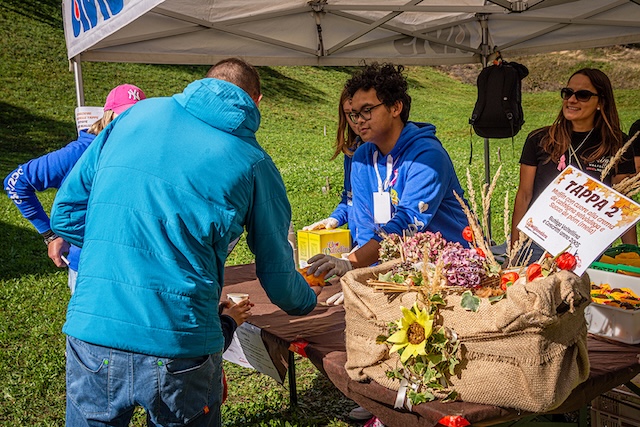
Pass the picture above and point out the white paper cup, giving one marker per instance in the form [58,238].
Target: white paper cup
[236,297]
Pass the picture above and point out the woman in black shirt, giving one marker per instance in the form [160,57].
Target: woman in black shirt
[586,134]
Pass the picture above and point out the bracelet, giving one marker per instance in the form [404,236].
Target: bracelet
[49,236]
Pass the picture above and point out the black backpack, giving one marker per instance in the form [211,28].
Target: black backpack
[498,111]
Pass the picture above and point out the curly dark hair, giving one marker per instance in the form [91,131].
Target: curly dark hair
[389,83]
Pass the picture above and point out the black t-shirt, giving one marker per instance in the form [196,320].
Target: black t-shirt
[635,127]
[581,142]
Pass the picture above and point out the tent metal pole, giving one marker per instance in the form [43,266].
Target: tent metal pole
[484,48]
[77,74]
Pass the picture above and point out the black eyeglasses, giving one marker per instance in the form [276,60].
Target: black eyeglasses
[365,113]
[582,95]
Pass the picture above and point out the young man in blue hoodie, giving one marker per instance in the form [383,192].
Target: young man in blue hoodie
[402,179]
[154,203]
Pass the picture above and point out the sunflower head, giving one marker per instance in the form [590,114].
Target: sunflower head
[414,328]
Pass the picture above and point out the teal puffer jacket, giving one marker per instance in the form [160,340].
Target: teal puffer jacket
[154,203]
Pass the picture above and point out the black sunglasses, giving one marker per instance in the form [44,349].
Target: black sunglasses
[582,95]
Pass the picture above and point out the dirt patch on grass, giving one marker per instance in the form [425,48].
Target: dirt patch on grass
[550,71]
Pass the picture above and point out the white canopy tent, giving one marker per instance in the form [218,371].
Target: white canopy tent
[338,32]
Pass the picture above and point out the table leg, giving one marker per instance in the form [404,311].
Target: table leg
[634,388]
[293,391]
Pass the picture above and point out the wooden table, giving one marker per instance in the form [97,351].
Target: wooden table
[320,337]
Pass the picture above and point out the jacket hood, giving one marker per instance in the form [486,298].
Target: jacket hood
[411,132]
[221,105]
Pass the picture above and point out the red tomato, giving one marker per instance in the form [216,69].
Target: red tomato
[454,421]
[508,279]
[467,234]
[480,252]
[566,261]
[534,271]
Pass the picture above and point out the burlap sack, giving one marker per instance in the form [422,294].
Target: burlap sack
[527,351]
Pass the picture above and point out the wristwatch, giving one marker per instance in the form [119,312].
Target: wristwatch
[49,236]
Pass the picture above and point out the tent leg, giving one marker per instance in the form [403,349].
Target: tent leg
[487,162]
[487,158]
[77,74]
[487,180]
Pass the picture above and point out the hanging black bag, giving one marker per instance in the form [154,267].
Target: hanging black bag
[498,110]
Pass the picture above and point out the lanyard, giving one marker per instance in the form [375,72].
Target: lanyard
[382,187]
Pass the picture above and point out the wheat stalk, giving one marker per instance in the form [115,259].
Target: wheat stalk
[472,193]
[520,253]
[634,192]
[614,161]
[478,237]
[506,224]
[628,185]
[486,202]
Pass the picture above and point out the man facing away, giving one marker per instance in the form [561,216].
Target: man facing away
[402,179]
[154,203]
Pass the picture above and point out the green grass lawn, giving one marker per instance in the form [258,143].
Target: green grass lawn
[298,129]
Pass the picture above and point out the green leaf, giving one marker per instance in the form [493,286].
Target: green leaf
[430,375]
[470,302]
[437,299]
[496,298]
[386,277]
[419,368]
[417,398]
[398,278]
[435,358]
[381,339]
[453,362]
[453,395]
[396,373]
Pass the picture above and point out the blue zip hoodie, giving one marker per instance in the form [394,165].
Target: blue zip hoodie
[154,203]
[421,187]
[48,171]
[341,212]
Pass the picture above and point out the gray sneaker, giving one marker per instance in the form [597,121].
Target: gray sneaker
[360,414]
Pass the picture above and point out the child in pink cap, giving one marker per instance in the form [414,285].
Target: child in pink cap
[122,97]
[49,171]
[119,100]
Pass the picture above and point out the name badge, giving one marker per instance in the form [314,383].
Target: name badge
[381,207]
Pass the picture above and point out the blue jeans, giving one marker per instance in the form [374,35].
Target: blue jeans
[104,385]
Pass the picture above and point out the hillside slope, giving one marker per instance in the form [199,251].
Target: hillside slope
[550,71]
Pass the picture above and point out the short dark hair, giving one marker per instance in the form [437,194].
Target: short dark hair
[238,72]
[389,83]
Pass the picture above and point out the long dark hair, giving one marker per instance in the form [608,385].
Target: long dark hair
[346,137]
[606,122]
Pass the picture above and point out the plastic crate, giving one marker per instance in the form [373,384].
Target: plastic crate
[604,419]
[630,270]
[616,408]
[615,268]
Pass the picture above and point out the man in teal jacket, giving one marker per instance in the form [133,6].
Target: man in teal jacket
[154,203]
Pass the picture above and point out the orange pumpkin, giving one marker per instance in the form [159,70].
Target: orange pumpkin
[311,279]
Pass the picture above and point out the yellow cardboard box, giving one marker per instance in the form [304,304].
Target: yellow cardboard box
[332,242]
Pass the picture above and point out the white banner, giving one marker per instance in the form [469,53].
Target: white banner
[579,213]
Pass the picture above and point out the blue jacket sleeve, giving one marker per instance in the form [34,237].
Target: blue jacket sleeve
[70,205]
[428,177]
[39,174]
[361,221]
[341,212]
[267,229]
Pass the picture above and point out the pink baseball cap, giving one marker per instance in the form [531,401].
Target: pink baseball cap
[122,97]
